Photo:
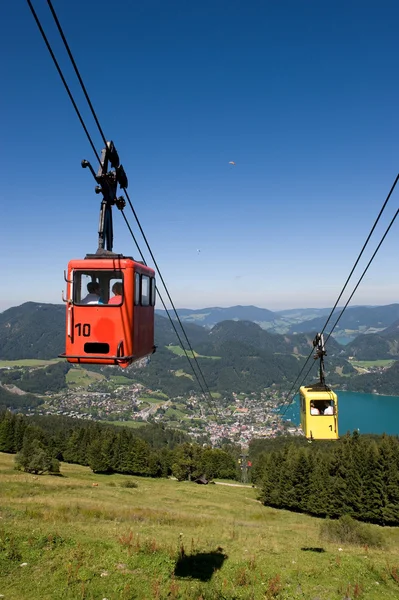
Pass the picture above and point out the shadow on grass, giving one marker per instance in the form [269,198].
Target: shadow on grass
[310,549]
[200,565]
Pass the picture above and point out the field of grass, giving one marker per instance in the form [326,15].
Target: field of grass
[371,363]
[152,400]
[29,362]
[78,377]
[175,413]
[120,380]
[181,373]
[132,424]
[86,536]
[180,352]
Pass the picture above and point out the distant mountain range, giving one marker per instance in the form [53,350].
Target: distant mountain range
[277,322]
[355,320]
[359,319]
[235,355]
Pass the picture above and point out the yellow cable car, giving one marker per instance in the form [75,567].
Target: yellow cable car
[318,403]
[319,412]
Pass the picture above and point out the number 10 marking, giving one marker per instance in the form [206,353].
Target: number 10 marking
[84,329]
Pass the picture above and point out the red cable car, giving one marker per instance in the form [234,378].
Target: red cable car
[110,297]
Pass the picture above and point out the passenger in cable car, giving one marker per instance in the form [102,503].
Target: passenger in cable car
[329,409]
[313,409]
[117,289]
[93,297]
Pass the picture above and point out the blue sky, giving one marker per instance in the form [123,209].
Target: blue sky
[303,96]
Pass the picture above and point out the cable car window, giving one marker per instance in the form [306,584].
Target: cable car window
[317,407]
[153,292]
[136,289]
[145,290]
[95,287]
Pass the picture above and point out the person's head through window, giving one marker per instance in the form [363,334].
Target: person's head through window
[117,289]
[93,287]
[94,291]
[328,408]
[313,409]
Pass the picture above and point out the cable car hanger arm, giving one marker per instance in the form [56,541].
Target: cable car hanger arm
[108,182]
[318,343]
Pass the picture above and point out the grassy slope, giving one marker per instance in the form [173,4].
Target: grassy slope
[112,542]
[28,362]
[180,352]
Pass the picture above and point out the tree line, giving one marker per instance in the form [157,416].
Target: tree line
[153,451]
[356,476]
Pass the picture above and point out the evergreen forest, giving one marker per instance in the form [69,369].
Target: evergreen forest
[356,476]
[152,451]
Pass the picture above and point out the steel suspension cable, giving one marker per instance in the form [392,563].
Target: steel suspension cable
[364,273]
[57,22]
[361,252]
[124,189]
[93,112]
[171,321]
[61,32]
[57,66]
[344,287]
[166,289]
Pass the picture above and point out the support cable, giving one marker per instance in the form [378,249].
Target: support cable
[93,112]
[360,255]
[364,272]
[57,66]
[124,189]
[171,321]
[344,287]
[61,32]
[166,289]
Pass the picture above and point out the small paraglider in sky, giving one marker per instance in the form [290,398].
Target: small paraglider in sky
[198,250]
[232,163]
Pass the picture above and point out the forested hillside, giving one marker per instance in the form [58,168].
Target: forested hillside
[356,318]
[150,451]
[32,330]
[381,346]
[235,356]
[357,476]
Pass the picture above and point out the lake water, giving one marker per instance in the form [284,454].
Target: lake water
[367,412]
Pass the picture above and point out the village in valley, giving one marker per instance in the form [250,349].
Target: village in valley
[237,418]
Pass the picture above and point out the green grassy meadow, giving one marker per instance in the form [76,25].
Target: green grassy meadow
[87,536]
[178,350]
[152,400]
[79,377]
[372,363]
[132,424]
[29,362]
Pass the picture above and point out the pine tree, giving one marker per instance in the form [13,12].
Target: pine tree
[390,509]
[187,462]
[7,433]
[35,458]
[98,459]
[302,479]
[137,460]
[373,488]
[338,482]
[319,484]
[19,432]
